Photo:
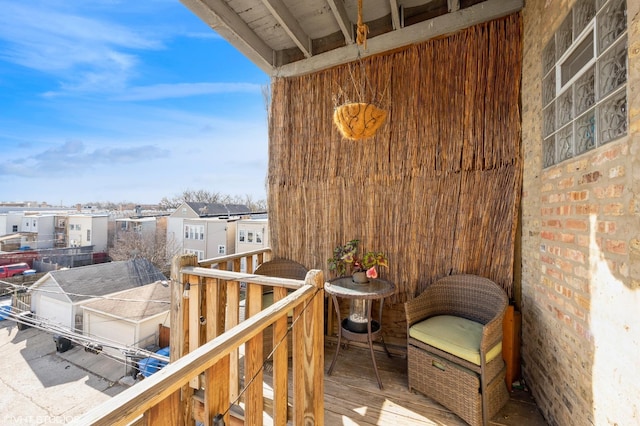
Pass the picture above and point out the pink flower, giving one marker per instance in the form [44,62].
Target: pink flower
[372,272]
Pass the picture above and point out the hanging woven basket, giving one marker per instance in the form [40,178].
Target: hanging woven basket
[358,120]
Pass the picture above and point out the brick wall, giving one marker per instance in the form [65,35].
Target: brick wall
[580,253]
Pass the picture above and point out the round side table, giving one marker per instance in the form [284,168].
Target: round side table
[375,289]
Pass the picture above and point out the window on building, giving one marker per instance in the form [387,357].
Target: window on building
[186,231]
[250,237]
[584,84]
[201,229]
[222,249]
[259,237]
[14,228]
[88,235]
[198,253]
[241,235]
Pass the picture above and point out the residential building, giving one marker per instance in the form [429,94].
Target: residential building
[145,226]
[57,298]
[39,231]
[10,222]
[186,228]
[88,230]
[209,237]
[252,234]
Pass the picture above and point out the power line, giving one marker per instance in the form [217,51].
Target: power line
[87,341]
[88,296]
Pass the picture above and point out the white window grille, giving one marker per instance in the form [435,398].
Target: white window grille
[584,85]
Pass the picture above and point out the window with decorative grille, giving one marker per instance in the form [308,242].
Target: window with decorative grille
[584,80]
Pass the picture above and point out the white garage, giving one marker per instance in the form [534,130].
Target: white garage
[58,297]
[56,312]
[128,319]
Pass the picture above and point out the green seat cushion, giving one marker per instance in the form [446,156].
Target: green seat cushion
[455,335]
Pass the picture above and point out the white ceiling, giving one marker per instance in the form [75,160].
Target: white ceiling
[293,37]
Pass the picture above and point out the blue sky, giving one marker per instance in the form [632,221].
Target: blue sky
[110,100]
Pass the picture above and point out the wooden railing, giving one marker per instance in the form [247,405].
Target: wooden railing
[204,380]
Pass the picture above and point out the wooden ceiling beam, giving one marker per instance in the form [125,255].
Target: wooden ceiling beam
[416,33]
[290,25]
[340,13]
[395,14]
[225,21]
[453,5]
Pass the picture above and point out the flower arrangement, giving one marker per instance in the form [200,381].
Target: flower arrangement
[347,254]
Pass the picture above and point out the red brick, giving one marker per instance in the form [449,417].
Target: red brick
[566,183]
[546,282]
[610,191]
[566,292]
[567,238]
[582,301]
[610,154]
[554,273]
[606,227]
[578,225]
[616,246]
[556,198]
[613,209]
[617,171]
[548,259]
[551,173]
[583,332]
[585,209]
[579,313]
[547,235]
[554,250]
[590,177]
[565,266]
[547,187]
[583,240]
[578,195]
[575,255]
[552,223]
[557,301]
[563,210]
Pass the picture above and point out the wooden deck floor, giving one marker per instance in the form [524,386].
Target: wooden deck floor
[352,396]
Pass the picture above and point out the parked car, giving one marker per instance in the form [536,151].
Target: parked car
[7,271]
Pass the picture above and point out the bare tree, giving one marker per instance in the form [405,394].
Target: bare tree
[152,246]
[204,196]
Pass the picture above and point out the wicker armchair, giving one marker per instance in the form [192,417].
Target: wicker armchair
[454,353]
[283,268]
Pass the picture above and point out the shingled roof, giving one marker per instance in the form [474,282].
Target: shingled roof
[135,304]
[85,282]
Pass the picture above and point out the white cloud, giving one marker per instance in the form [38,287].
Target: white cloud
[83,52]
[181,90]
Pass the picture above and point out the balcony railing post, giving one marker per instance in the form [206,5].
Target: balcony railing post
[176,409]
[280,364]
[308,357]
[253,359]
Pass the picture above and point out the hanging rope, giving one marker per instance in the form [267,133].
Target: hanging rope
[362,29]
